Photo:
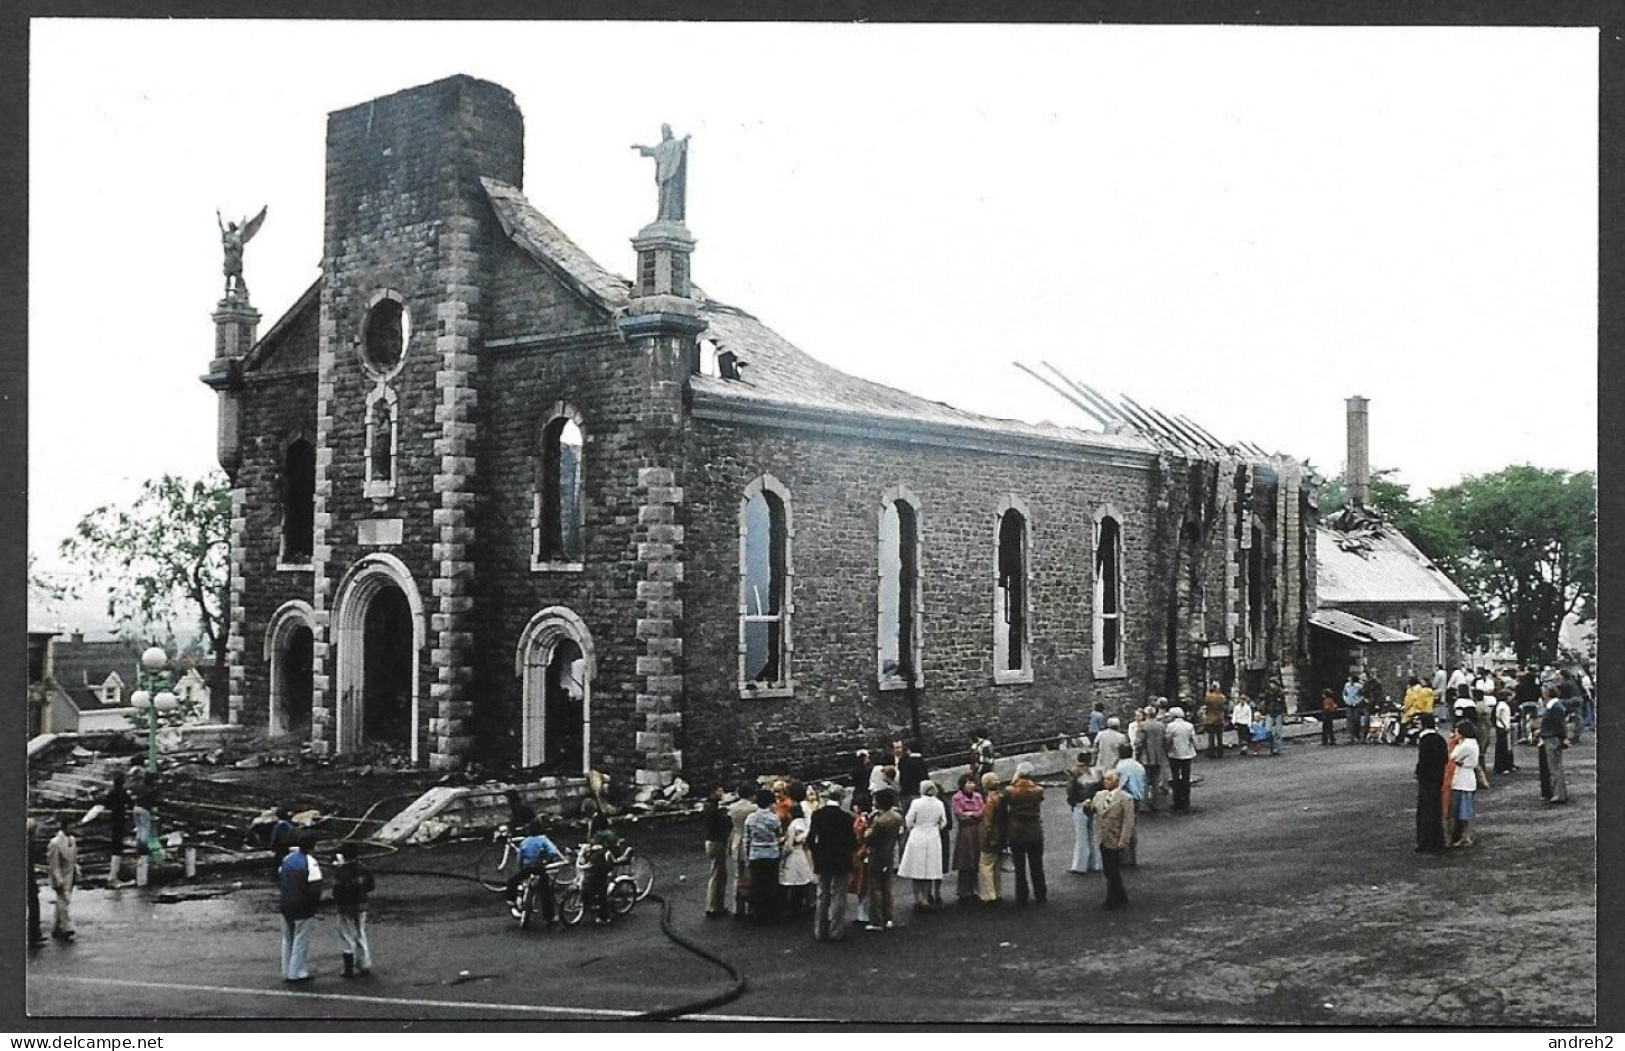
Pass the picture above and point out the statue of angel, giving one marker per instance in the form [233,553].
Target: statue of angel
[233,236]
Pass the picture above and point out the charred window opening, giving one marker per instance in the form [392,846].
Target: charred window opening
[899,592]
[298,502]
[1012,592]
[558,493]
[764,608]
[1109,594]
[383,340]
[384,335]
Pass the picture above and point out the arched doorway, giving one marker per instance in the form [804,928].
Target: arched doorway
[377,636]
[290,657]
[556,664]
[387,665]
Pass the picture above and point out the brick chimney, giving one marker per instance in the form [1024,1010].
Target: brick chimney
[1358,473]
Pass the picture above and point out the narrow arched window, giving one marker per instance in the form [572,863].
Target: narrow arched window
[898,639]
[1108,595]
[298,502]
[1010,662]
[559,505]
[764,588]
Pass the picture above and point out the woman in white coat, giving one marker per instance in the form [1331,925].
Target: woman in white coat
[922,852]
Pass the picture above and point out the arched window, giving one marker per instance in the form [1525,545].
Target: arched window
[1109,595]
[559,533]
[765,605]
[298,502]
[1010,663]
[898,635]
[382,432]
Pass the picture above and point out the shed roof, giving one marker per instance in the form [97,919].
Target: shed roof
[1357,628]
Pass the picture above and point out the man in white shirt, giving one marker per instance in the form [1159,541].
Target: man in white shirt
[1109,740]
[1505,762]
[1181,751]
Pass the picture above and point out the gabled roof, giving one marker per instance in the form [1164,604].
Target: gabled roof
[547,244]
[1376,563]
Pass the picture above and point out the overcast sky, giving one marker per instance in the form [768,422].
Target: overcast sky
[1244,225]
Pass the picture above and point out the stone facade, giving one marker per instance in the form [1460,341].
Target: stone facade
[439,624]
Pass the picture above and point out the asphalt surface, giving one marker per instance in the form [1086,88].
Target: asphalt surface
[1290,895]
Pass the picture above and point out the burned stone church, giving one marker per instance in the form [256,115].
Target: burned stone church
[492,501]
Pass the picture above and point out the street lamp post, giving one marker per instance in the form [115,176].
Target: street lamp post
[153,662]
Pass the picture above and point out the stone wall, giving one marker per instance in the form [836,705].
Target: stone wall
[277,409]
[521,391]
[836,487]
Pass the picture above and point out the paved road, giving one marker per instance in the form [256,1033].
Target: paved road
[1291,895]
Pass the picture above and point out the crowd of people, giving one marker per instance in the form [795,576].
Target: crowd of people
[830,851]
[1558,709]
[1523,688]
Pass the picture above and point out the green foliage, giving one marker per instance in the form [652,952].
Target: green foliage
[1527,547]
[162,558]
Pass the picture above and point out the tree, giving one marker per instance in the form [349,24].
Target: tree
[163,557]
[1527,549]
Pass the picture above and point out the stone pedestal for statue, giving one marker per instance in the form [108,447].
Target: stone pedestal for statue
[236,325]
[663,249]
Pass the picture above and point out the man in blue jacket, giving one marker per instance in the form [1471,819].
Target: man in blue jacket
[299,895]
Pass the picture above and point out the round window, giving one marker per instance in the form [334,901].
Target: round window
[385,336]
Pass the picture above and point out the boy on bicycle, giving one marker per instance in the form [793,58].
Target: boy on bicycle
[536,852]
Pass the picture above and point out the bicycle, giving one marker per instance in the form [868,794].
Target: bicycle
[499,858]
[621,893]
[639,869]
[567,900]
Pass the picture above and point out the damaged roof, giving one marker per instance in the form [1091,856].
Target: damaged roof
[780,375]
[1376,563]
[1357,628]
[777,375]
